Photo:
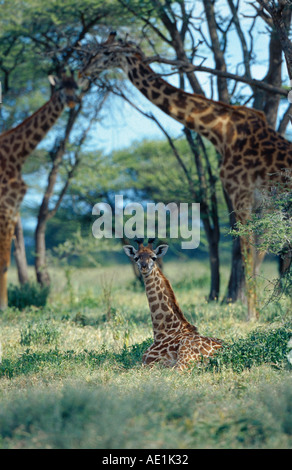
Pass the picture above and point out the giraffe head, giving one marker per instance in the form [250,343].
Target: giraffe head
[145,256]
[109,54]
[66,87]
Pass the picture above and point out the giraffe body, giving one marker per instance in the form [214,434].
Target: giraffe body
[177,343]
[255,158]
[15,146]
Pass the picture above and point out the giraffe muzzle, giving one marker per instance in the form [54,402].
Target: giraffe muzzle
[72,101]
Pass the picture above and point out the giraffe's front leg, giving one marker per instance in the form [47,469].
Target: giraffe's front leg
[248,253]
[166,353]
[150,355]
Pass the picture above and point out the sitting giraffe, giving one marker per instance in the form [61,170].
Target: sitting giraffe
[177,342]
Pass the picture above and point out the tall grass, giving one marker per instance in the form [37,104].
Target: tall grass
[71,373]
[155,415]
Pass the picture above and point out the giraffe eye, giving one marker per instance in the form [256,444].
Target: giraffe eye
[136,258]
[154,258]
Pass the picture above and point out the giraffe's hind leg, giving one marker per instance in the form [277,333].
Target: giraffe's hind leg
[195,350]
[188,352]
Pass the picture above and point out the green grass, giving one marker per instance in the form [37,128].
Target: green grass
[71,373]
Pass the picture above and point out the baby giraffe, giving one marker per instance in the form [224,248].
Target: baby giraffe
[177,343]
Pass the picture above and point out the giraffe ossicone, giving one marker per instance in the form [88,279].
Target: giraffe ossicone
[177,343]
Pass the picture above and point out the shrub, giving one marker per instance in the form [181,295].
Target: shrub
[272,225]
[27,294]
[258,348]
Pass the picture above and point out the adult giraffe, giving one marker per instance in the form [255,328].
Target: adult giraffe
[15,146]
[254,156]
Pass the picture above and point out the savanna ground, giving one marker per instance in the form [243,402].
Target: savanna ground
[71,374]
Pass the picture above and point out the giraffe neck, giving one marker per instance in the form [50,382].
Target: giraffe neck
[212,119]
[167,317]
[18,143]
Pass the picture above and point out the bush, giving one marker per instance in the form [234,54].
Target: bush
[260,347]
[27,294]
[272,225]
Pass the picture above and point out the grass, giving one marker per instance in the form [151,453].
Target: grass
[71,374]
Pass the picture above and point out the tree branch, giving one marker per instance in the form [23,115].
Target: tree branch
[187,67]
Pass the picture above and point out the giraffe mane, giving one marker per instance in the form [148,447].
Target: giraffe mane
[242,110]
[174,303]
[25,120]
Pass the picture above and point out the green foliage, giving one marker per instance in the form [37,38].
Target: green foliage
[72,378]
[188,282]
[271,223]
[260,347]
[116,417]
[31,293]
[30,361]
[270,230]
[38,334]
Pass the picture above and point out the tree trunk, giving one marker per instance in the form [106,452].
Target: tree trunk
[19,253]
[213,235]
[236,284]
[42,274]
[215,272]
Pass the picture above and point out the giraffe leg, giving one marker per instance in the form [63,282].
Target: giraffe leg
[260,255]
[149,358]
[188,352]
[195,350]
[158,352]
[3,286]
[250,271]
[6,235]
[285,259]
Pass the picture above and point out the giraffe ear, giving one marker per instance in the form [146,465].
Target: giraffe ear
[161,250]
[52,80]
[129,250]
